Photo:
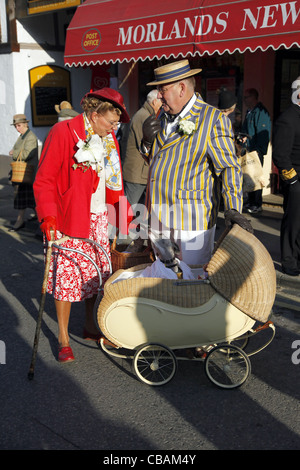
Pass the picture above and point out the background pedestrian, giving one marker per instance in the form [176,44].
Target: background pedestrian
[25,149]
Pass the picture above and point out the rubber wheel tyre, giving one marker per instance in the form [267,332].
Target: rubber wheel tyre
[227,366]
[154,364]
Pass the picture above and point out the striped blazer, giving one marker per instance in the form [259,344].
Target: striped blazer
[185,171]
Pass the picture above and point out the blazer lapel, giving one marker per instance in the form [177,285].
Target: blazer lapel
[161,135]
[193,115]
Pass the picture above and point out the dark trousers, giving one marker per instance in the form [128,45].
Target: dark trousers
[135,192]
[290,227]
[255,198]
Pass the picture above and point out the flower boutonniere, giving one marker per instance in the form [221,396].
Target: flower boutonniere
[186,127]
[89,154]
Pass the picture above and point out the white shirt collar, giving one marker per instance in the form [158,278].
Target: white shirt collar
[185,110]
[188,106]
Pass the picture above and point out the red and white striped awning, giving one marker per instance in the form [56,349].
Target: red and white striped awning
[107,31]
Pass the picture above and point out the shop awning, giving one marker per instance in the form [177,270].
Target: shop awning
[106,31]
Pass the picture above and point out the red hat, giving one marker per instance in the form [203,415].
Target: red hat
[112,96]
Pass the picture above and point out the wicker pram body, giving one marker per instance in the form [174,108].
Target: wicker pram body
[240,290]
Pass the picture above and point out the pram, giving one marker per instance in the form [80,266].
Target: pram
[150,320]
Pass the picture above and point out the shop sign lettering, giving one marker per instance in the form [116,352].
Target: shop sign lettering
[251,19]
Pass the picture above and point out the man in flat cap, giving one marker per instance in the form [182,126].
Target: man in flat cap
[190,148]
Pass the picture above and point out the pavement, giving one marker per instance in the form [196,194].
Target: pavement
[97,403]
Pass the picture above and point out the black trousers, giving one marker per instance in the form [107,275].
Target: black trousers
[255,198]
[290,227]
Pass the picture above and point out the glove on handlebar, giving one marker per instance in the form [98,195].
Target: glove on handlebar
[151,127]
[234,217]
[48,224]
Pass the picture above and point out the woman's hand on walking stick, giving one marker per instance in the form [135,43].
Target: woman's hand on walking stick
[48,225]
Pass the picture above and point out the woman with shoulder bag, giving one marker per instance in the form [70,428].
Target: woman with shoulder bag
[25,149]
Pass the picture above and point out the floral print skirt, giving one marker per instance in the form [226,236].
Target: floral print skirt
[72,276]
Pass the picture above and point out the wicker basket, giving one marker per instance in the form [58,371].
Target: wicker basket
[22,172]
[121,260]
[242,271]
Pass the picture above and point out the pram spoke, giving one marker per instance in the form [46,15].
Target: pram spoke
[154,364]
[227,366]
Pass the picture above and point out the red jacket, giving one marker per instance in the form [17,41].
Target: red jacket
[66,193]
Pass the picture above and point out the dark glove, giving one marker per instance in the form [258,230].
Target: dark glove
[136,246]
[49,224]
[234,217]
[151,127]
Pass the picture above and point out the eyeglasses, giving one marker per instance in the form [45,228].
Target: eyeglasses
[113,124]
[163,90]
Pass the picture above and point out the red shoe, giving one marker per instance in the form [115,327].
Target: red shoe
[65,354]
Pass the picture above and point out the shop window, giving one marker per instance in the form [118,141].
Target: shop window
[49,85]
[287,69]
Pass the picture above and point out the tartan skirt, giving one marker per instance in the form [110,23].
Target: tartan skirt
[23,196]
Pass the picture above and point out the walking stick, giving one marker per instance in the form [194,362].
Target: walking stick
[41,309]
[56,244]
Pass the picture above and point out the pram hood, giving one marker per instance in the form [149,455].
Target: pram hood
[242,271]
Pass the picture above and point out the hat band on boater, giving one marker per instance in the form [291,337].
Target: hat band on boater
[173,73]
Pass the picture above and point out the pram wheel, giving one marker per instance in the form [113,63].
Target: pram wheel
[227,366]
[154,364]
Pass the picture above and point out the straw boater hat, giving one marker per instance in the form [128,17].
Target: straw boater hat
[62,105]
[18,119]
[173,72]
[113,97]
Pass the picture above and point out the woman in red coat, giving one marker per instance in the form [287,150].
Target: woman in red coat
[77,188]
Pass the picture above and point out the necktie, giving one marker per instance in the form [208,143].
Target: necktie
[171,117]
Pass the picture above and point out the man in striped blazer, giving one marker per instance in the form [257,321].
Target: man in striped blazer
[192,161]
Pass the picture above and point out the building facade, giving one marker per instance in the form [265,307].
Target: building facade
[35,74]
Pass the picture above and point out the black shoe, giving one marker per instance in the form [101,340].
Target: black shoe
[12,229]
[254,209]
[291,272]
[31,219]
[246,207]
